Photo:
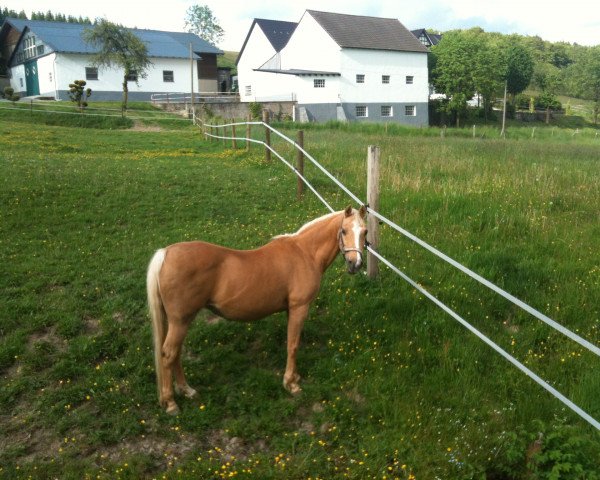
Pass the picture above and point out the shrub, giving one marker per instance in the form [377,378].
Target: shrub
[255,110]
[79,94]
[548,100]
[9,94]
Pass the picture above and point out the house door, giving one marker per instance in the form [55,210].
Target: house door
[31,78]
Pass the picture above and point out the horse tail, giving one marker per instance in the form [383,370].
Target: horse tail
[157,313]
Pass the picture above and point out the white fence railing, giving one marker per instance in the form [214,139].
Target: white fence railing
[560,328]
[185,97]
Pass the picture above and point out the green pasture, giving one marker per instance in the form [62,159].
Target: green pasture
[392,386]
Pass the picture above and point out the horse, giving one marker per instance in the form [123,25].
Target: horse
[244,285]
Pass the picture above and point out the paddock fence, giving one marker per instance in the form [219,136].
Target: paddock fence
[210,131]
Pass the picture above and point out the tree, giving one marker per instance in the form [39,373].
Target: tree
[590,79]
[201,21]
[489,65]
[119,48]
[453,74]
[518,71]
[547,78]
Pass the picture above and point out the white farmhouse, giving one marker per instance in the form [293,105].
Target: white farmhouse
[45,57]
[341,67]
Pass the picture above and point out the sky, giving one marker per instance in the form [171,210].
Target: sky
[575,21]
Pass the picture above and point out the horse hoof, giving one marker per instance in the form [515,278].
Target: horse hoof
[186,391]
[173,409]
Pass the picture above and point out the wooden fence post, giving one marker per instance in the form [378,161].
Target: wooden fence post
[265,119]
[233,140]
[248,132]
[300,164]
[373,153]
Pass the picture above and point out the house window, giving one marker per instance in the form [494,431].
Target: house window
[319,83]
[360,78]
[20,57]
[361,111]
[248,90]
[385,79]
[386,111]
[410,110]
[423,40]
[410,79]
[29,47]
[133,76]
[40,50]
[168,76]
[91,73]
[50,77]
[21,81]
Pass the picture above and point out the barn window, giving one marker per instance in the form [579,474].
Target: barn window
[168,76]
[319,83]
[361,111]
[385,79]
[410,110]
[360,78]
[386,111]
[91,73]
[410,79]
[248,90]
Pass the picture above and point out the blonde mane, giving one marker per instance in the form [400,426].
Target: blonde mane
[307,225]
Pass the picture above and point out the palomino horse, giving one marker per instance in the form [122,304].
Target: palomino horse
[284,274]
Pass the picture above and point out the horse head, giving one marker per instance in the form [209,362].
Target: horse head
[352,237]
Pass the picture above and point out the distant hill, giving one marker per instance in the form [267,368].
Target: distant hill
[228,60]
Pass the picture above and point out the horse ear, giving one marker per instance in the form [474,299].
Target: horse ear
[363,212]
[348,211]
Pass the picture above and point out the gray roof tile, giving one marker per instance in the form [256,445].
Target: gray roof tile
[372,33]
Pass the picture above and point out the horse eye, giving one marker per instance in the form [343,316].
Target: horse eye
[343,231]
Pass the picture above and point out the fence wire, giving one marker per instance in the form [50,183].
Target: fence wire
[565,331]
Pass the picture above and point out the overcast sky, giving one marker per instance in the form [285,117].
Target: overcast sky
[573,21]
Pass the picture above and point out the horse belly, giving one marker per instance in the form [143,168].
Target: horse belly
[248,304]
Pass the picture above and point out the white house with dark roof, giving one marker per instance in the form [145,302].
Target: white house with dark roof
[344,67]
[45,57]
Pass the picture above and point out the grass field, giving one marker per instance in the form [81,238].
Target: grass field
[393,387]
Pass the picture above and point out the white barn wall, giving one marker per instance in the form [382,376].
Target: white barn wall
[72,67]
[373,64]
[311,48]
[258,51]
[17,79]
[47,75]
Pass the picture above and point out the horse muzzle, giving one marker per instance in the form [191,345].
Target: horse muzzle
[353,264]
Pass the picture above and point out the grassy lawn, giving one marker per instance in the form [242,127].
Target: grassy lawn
[393,387]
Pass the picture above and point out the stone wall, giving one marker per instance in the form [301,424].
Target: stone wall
[278,110]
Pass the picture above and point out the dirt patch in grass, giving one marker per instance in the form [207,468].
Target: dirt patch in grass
[140,127]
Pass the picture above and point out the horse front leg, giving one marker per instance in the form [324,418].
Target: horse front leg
[296,317]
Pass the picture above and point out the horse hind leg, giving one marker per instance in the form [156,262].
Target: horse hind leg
[171,363]
[181,385]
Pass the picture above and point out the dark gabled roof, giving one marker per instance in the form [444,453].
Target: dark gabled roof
[433,38]
[67,38]
[277,32]
[371,33]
